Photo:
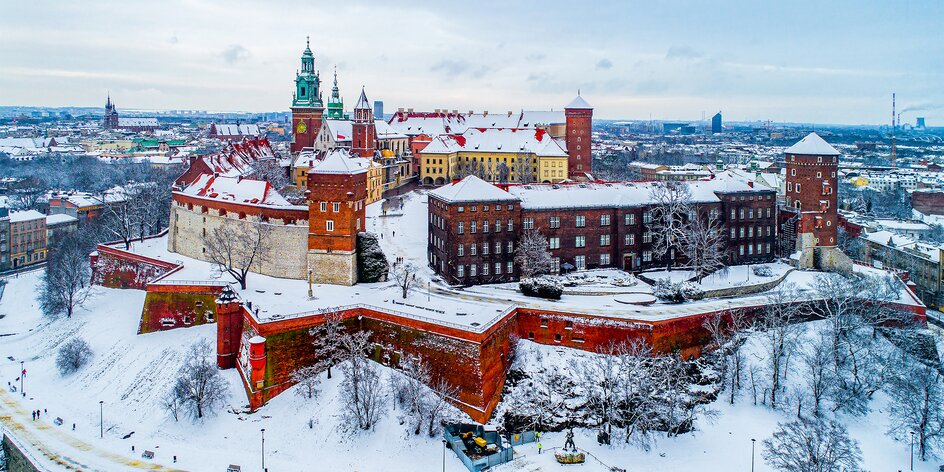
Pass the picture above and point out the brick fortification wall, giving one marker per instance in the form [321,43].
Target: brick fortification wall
[178,305]
[117,268]
[929,203]
[191,218]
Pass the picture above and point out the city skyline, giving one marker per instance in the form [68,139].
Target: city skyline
[835,63]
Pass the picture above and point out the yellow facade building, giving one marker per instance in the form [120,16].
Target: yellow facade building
[516,155]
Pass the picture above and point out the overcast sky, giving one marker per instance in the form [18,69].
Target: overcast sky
[802,61]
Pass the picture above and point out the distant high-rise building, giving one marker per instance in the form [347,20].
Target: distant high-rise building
[716,123]
[920,123]
[378,109]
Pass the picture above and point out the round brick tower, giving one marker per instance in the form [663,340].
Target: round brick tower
[811,187]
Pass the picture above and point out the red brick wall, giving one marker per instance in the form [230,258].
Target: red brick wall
[929,203]
[116,268]
[816,176]
[579,124]
[286,215]
[312,119]
[350,190]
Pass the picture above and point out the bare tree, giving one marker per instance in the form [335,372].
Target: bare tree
[66,282]
[917,401]
[271,171]
[307,379]
[812,445]
[671,203]
[73,355]
[637,406]
[404,273]
[200,389]
[816,363]
[703,240]
[237,250]
[362,389]
[532,256]
[121,220]
[522,167]
[724,327]
[779,335]
[602,372]
[328,339]
[425,395]
[170,402]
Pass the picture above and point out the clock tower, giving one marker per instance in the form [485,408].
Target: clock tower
[307,107]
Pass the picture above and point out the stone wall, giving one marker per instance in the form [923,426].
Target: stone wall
[178,305]
[288,241]
[117,268]
[16,460]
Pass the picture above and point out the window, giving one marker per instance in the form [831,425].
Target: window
[485,269]
[461,228]
[461,271]
[793,172]
[556,262]
[497,247]
[498,225]
[557,338]
[750,213]
[798,187]
[527,223]
[647,256]
[733,214]
[741,249]
[741,213]
[329,225]
[485,226]
[473,270]
[629,239]
[324,207]
[544,323]
[511,224]
[472,227]
[741,232]
[750,249]
[580,241]
[750,231]
[472,208]
[580,221]
[768,211]
[510,267]
[759,247]
[732,233]
[554,222]
[768,248]
[604,220]
[336,207]
[484,207]
[604,239]
[604,259]
[768,231]
[569,325]
[646,237]
[461,251]
[629,218]
[511,247]
[461,209]
[485,247]
[473,249]
[553,243]
[580,262]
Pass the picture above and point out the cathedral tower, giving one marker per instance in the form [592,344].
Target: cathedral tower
[111,115]
[336,103]
[364,139]
[307,107]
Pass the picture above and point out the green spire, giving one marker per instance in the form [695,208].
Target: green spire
[307,82]
[336,103]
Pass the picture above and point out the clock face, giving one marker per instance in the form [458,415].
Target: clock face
[301,128]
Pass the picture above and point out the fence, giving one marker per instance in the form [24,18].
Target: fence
[502,455]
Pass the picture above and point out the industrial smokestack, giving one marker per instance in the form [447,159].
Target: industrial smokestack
[893,110]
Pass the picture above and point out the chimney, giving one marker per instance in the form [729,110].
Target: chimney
[409,110]
[471,112]
[485,113]
[400,110]
[455,112]
[509,112]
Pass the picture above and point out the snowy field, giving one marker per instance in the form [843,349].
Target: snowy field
[129,373]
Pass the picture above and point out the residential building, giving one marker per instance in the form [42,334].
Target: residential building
[5,262]
[28,238]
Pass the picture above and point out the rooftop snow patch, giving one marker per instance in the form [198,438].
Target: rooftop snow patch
[812,145]
[578,103]
[340,161]
[472,189]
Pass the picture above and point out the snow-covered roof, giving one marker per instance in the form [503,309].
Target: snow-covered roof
[578,103]
[137,122]
[436,123]
[622,194]
[340,161]
[472,189]
[362,102]
[235,189]
[60,218]
[343,130]
[26,215]
[812,145]
[87,199]
[531,118]
[536,141]
[251,130]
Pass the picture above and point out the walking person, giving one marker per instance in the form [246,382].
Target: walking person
[539,448]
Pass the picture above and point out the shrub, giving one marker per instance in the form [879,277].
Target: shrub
[543,287]
[668,291]
[73,355]
[762,271]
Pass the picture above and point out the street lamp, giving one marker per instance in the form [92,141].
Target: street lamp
[912,450]
[22,374]
[101,418]
[263,449]
[753,441]
[444,455]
